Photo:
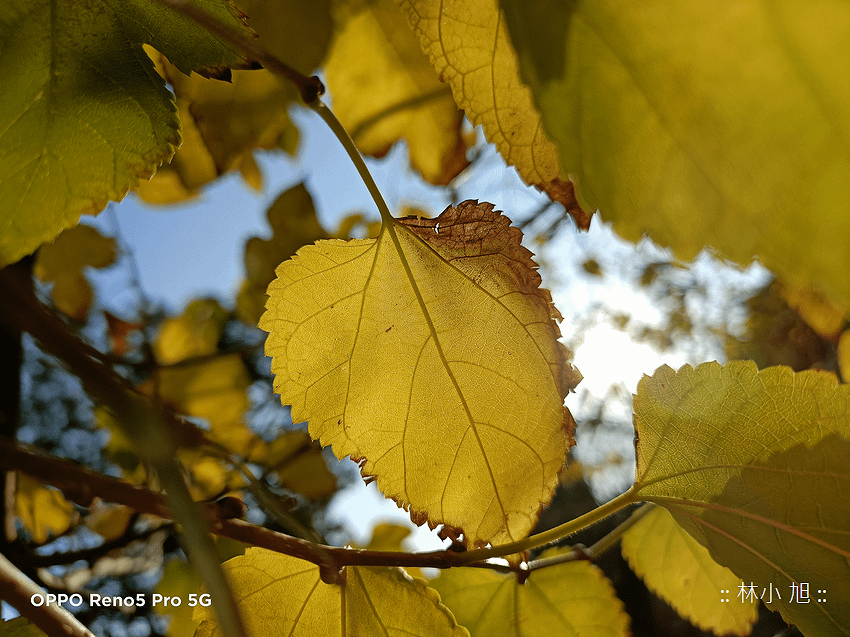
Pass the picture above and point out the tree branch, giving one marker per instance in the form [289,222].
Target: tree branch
[18,591]
[64,475]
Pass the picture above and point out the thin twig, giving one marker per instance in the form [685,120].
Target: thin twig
[18,590]
[93,553]
[598,548]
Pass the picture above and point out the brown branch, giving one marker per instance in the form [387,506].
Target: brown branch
[311,88]
[18,590]
[77,480]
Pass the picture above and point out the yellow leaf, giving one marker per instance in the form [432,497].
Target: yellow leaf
[191,167]
[281,595]
[43,510]
[298,463]
[110,522]
[754,465]
[844,355]
[179,580]
[64,262]
[565,600]
[72,294]
[196,332]
[224,121]
[384,89]
[20,627]
[680,570]
[214,389]
[819,312]
[468,44]
[430,355]
[668,134]
[293,221]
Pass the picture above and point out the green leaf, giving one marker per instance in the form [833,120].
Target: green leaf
[679,569]
[755,466]
[84,115]
[722,123]
[565,600]
[430,355]
[282,595]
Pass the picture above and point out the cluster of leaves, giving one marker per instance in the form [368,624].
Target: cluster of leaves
[430,353]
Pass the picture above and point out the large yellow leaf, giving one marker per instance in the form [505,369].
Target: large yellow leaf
[384,89]
[755,466]
[281,595]
[723,123]
[679,569]
[430,355]
[565,600]
[468,44]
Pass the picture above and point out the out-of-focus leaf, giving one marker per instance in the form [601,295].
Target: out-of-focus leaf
[179,580]
[293,221]
[110,522]
[298,463]
[817,311]
[592,267]
[84,116]
[64,262]
[679,569]
[668,134]
[225,122]
[43,510]
[355,226]
[565,600]
[215,390]
[844,355]
[468,44]
[196,332]
[20,627]
[435,336]
[389,537]
[777,335]
[754,466]
[384,89]
[119,331]
[281,595]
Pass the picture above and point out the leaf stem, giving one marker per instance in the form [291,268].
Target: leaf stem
[599,547]
[348,144]
[552,535]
